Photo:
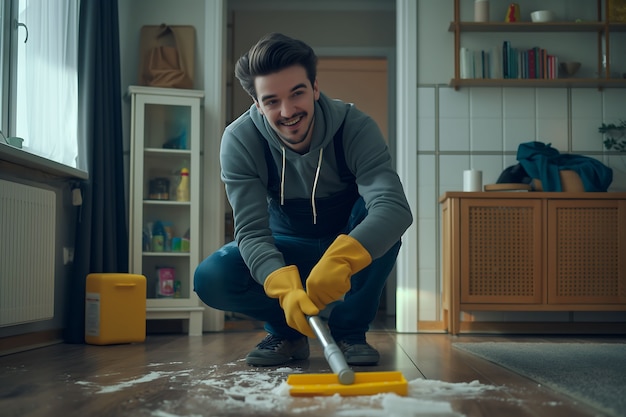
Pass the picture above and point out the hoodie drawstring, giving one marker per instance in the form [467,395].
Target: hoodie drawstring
[317,175]
[282,179]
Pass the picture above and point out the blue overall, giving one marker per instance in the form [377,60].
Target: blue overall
[223,281]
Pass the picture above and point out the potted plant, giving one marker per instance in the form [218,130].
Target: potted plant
[614,136]
[615,140]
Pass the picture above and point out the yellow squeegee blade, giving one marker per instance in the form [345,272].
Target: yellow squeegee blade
[365,383]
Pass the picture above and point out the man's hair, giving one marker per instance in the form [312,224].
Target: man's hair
[273,53]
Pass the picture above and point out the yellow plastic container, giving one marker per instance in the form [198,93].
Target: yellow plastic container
[115,308]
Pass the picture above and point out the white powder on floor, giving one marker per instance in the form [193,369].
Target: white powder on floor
[263,391]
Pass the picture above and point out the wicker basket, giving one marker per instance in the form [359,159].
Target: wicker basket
[570,182]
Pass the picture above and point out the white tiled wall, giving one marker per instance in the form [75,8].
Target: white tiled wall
[481,128]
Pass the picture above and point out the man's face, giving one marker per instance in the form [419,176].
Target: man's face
[287,100]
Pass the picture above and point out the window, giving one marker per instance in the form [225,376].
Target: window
[40,77]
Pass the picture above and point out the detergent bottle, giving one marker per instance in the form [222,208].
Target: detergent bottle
[182,191]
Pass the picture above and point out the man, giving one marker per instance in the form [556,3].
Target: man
[318,210]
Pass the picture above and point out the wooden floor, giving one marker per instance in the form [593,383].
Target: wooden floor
[175,375]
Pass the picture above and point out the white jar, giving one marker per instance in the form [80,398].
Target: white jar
[481,10]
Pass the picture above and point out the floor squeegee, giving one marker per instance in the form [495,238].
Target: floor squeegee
[343,381]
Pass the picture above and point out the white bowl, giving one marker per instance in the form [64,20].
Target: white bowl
[541,16]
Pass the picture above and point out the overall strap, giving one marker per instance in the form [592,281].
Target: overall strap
[273,182]
[340,156]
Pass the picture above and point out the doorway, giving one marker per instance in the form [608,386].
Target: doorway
[362,81]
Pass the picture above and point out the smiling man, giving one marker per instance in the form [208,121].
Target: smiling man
[289,110]
[318,210]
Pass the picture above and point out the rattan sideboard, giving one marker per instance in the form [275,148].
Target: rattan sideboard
[532,251]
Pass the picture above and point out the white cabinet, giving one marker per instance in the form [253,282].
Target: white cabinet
[165,139]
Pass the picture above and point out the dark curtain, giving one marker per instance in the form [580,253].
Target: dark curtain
[101,233]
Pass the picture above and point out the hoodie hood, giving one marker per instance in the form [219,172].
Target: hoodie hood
[328,116]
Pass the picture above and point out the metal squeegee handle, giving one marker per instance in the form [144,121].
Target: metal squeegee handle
[332,353]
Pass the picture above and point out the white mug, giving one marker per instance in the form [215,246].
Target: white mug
[472,180]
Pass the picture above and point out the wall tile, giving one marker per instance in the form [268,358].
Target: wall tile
[427,201]
[614,105]
[519,103]
[518,131]
[585,135]
[453,104]
[490,165]
[427,197]
[586,118]
[454,134]
[426,118]
[586,103]
[426,134]
[486,134]
[451,169]
[553,131]
[551,103]
[426,174]
[426,102]
[486,102]
[427,251]
[510,160]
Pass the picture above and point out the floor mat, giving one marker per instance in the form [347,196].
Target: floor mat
[591,372]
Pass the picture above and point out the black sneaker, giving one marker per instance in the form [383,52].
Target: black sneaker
[359,353]
[274,350]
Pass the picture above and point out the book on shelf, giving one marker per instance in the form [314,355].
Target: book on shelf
[508,62]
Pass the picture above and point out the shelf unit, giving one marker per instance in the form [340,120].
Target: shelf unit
[603,28]
[158,116]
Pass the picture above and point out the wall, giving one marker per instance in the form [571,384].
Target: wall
[481,128]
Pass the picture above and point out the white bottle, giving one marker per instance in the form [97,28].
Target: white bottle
[182,191]
[481,10]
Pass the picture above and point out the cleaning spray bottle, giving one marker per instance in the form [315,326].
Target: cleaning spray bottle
[182,191]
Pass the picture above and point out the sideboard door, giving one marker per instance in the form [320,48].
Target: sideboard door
[501,247]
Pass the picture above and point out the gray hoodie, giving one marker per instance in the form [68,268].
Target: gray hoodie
[244,172]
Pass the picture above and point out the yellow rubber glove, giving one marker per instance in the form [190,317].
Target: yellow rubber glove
[329,280]
[285,284]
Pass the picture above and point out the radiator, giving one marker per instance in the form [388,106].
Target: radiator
[27,243]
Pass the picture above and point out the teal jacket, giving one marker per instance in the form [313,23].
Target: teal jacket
[543,162]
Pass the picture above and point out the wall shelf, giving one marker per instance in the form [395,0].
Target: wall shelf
[531,27]
[599,83]
[602,28]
